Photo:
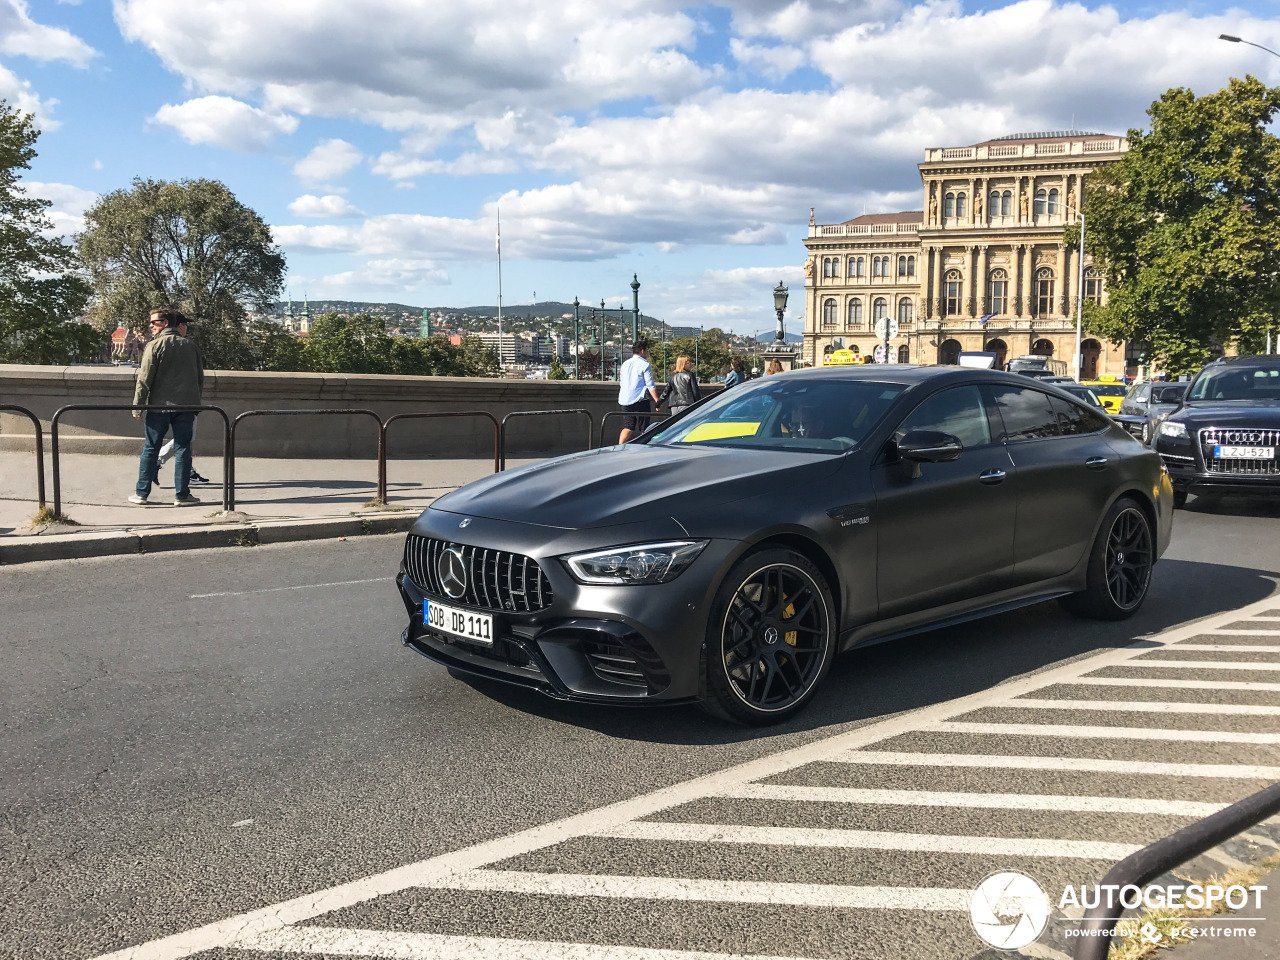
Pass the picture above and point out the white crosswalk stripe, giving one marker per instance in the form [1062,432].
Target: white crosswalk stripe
[1106,733]
[1145,706]
[1203,665]
[1081,764]
[1180,683]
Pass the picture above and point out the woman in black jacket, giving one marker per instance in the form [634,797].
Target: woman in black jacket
[682,388]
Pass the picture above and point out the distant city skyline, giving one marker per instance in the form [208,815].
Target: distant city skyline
[684,143]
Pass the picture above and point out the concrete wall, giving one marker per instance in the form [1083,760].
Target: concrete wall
[44,389]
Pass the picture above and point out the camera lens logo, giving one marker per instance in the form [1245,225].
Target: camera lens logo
[1009,910]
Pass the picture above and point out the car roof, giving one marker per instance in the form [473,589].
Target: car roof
[1246,358]
[910,373]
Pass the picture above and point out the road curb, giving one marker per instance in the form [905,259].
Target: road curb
[77,546]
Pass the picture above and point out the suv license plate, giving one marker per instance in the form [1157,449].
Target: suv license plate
[1222,452]
[473,627]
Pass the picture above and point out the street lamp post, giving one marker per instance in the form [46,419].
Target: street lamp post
[1080,295]
[635,308]
[575,338]
[780,306]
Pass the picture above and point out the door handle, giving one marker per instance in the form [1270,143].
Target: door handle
[1097,463]
[991,477]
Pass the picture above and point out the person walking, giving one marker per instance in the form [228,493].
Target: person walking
[171,375]
[166,452]
[635,387]
[682,388]
[737,374]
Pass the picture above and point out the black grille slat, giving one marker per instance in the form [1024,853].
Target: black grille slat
[1243,437]
[492,581]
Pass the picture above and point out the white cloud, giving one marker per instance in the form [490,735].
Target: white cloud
[69,204]
[224,122]
[330,205]
[390,274]
[19,93]
[327,161]
[774,62]
[22,36]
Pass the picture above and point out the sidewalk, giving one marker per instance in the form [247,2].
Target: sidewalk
[276,500]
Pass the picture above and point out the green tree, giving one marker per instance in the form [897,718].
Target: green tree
[1185,228]
[190,243]
[557,372]
[41,295]
[712,352]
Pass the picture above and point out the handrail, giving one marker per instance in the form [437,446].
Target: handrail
[382,442]
[502,434]
[228,497]
[352,411]
[1139,869]
[35,421]
[653,419]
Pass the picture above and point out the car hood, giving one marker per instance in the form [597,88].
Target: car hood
[1230,413]
[622,484]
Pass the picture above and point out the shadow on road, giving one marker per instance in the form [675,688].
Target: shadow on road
[1234,506]
[875,682]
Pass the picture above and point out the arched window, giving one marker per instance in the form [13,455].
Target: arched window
[852,268]
[1042,348]
[1044,292]
[879,309]
[904,311]
[904,355]
[828,311]
[997,292]
[1000,349]
[855,312]
[911,266]
[993,204]
[949,352]
[1053,200]
[949,205]
[853,348]
[879,266]
[1092,285]
[951,293]
[962,204]
[1006,203]
[861,267]
[1040,202]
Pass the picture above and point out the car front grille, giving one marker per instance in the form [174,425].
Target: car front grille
[496,579]
[614,662]
[1211,437]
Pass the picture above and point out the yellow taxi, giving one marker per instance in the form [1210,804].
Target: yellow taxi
[838,357]
[1110,390]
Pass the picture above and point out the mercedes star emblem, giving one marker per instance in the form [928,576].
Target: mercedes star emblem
[453,573]
[771,636]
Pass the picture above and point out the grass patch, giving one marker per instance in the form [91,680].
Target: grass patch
[247,538]
[45,515]
[1130,944]
[365,526]
[375,503]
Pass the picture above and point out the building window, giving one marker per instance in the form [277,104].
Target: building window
[904,355]
[1040,202]
[879,309]
[949,205]
[993,204]
[951,293]
[911,266]
[879,266]
[998,292]
[1053,200]
[962,204]
[861,267]
[1006,203]
[1044,292]
[904,312]
[853,267]
[855,312]
[829,311]
[1092,285]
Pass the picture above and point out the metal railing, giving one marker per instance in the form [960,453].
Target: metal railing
[351,411]
[653,419]
[502,434]
[227,495]
[1139,869]
[35,422]
[382,440]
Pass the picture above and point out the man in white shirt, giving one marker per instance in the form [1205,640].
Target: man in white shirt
[634,381]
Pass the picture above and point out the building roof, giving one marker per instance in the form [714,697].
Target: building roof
[906,216]
[1048,135]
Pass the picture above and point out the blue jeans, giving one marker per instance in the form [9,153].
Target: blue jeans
[157,425]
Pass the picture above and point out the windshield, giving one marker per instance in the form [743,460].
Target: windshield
[1237,381]
[1108,389]
[803,414]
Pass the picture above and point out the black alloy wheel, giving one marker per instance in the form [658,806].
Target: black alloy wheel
[1120,563]
[771,637]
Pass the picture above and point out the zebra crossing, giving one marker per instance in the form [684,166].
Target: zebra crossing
[865,844]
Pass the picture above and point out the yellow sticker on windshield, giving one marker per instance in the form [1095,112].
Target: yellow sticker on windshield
[721,431]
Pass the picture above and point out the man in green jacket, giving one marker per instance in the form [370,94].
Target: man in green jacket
[171,374]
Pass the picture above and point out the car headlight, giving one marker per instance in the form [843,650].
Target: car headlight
[1172,428]
[643,563]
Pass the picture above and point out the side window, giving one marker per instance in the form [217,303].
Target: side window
[1073,419]
[958,411]
[1026,413]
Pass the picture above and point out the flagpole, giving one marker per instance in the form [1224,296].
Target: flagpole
[500,366]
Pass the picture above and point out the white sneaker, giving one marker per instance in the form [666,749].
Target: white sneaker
[134,498]
[187,501]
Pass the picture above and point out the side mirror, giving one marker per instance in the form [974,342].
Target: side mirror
[927,446]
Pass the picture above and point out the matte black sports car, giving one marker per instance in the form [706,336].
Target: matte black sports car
[727,554]
[1225,438]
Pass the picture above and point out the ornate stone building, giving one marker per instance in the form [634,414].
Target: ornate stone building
[981,267]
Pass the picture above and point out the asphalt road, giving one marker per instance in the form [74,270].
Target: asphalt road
[188,737]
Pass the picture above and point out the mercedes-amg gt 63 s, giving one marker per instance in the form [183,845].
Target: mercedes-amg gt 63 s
[728,554]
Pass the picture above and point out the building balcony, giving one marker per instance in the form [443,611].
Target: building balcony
[1030,149]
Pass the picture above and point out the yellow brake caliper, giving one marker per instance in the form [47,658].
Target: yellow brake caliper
[790,636]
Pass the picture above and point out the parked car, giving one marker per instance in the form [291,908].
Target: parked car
[1083,393]
[1147,404]
[727,554]
[1224,436]
[1110,391]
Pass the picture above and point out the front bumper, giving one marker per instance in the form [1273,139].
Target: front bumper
[607,644]
[1189,474]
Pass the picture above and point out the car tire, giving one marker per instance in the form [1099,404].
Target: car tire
[764,655]
[1120,563]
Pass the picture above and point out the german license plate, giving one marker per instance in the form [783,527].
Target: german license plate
[470,626]
[1224,452]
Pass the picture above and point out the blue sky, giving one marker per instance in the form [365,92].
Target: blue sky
[681,142]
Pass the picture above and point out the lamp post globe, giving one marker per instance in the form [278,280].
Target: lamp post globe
[780,307]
